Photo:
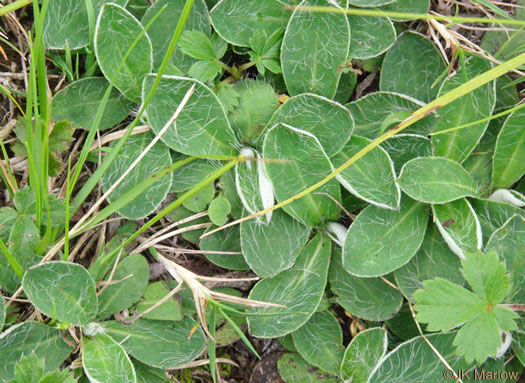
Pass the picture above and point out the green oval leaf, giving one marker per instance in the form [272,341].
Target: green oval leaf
[310,57]
[320,342]
[327,120]
[509,157]
[104,360]
[31,338]
[157,158]
[300,289]
[115,33]
[160,344]
[366,298]
[459,225]
[218,211]
[62,291]
[477,105]
[188,176]
[492,215]
[161,30]
[266,249]
[363,353]
[227,240]
[238,22]
[436,180]
[169,310]
[372,178]
[201,129]
[292,171]
[128,285]
[405,147]
[371,36]
[412,60]
[380,241]
[407,6]
[79,101]
[294,369]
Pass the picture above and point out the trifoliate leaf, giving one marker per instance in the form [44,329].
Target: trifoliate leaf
[197,45]
[205,71]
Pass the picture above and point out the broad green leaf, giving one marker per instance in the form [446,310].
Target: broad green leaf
[257,103]
[201,129]
[320,342]
[66,23]
[434,259]
[363,353]
[157,158]
[519,346]
[493,215]
[367,298]
[371,36]
[199,46]
[2,313]
[116,31]
[459,225]
[436,180]
[346,87]
[8,217]
[477,105]
[57,376]
[411,66]
[218,211]
[310,57]
[370,3]
[160,344]
[300,289]
[237,22]
[148,374]
[380,241]
[169,310]
[407,6]
[128,284]
[399,366]
[294,369]
[292,171]
[187,176]
[79,101]
[31,337]
[227,240]
[205,71]
[372,178]
[161,30]
[371,121]
[403,325]
[270,248]
[104,360]
[509,155]
[405,147]
[327,120]
[509,243]
[62,291]
[30,368]
[506,93]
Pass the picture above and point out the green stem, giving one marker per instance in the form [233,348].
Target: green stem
[14,6]
[12,261]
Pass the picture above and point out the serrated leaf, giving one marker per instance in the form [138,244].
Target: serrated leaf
[79,101]
[161,30]
[257,103]
[157,158]
[371,36]
[363,353]
[509,242]
[31,337]
[372,178]
[327,120]
[270,248]
[160,344]
[493,215]
[477,105]
[300,289]
[62,291]
[459,225]
[412,60]
[128,284]
[320,342]
[205,71]
[30,368]
[381,241]
[201,129]
[509,155]
[227,240]
[292,171]
[434,259]
[436,180]
[63,376]
[116,31]
[197,45]
[218,211]
[66,23]
[237,22]
[266,51]
[370,120]
[294,369]
[169,310]
[405,147]
[310,57]
[398,365]
[367,298]
[104,360]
